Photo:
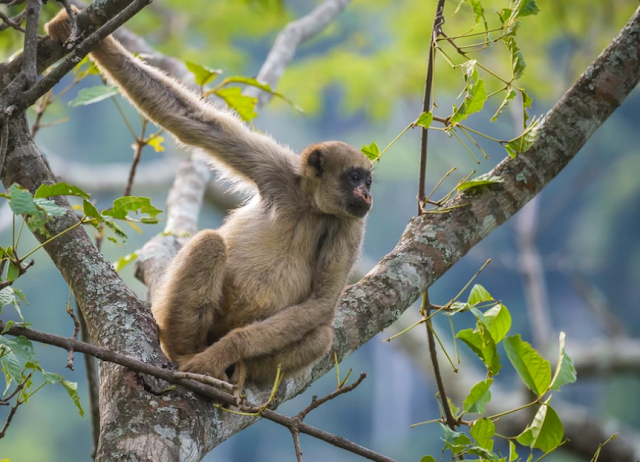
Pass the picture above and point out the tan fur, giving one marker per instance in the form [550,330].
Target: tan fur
[262,290]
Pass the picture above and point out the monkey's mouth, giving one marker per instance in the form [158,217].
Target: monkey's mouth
[358,208]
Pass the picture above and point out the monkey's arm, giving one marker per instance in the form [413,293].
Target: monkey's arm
[190,119]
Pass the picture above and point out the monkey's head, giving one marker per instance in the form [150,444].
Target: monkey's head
[338,177]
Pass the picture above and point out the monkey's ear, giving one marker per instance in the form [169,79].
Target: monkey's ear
[315,160]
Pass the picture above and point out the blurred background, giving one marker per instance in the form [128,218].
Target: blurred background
[361,81]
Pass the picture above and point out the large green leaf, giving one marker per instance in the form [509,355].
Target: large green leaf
[545,432]
[565,371]
[478,397]
[60,189]
[483,431]
[534,370]
[473,102]
[482,345]
[499,321]
[92,95]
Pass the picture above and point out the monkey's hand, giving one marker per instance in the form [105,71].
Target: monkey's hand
[210,362]
[59,28]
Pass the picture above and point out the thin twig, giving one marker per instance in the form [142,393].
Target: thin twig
[13,410]
[315,403]
[433,353]
[296,443]
[13,22]
[426,103]
[139,145]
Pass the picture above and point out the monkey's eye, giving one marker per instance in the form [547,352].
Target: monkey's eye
[369,182]
[355,177]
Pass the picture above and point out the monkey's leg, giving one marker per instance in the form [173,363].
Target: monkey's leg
[294,359]
[188,299]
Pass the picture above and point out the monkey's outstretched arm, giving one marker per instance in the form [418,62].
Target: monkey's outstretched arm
[190,119]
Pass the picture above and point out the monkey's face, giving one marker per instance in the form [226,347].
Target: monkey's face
[339,177]
[355,185]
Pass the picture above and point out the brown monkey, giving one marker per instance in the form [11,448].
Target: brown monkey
[263,289]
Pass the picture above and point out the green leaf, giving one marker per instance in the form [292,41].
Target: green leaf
[525,7]
[424,120]
[505,102]
[202,75]
[12,272]
[517,60]
[483,431]
[478,11]
[565,371]
[485,454]
[372,151]
[51,377]
[50,207]
[499,321]
[124,261]
[453,407]
[135,204]
[262,86]
[513,455]
[524,142]
[469,71]
[244,105]
[476,183]
[473,102]
[21,201]
[478,295]
[19,293]
[545,432]
[455,441]
[7,326]
[89,210]
[534,370]
[92,95]
[60,189]
[116,230]
[9,360]
[478,397]
[482,345]
[428,459]
[6,296]
[72,390]
[23,347]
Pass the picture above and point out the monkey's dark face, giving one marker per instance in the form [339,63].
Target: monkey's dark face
[355,188]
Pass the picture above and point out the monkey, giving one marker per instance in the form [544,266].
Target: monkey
[262,290]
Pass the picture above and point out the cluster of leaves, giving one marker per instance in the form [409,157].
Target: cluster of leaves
[493,323]
[17,357]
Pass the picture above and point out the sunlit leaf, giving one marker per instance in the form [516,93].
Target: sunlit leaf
[483,431]
[534,370]
[545,432]
[524,142]
[21,201]
[72,390]
[511,93]
[92,95]
[6,296]
[473,102]
[499,321]
[244,105]
[124,261]
[455,441]
[482,345]
[59,189]
[372,151]
[513,454]
[202,75]
[517,60]
[425,119]
[477,183]
[478,295]
[124,205]
[478,397]
[156,143]
[565,371]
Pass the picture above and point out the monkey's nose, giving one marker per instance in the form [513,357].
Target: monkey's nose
[362,193]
